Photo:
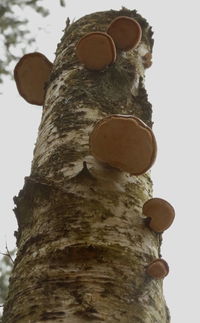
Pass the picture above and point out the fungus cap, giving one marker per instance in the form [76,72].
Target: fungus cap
[124,142]
[126,32]
[31,73]
[96,51]
[147,60]
[158,269]
[160,212]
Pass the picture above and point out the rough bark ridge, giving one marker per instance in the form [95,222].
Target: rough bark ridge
[83,245]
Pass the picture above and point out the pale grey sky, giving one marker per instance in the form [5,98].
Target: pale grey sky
[172,84]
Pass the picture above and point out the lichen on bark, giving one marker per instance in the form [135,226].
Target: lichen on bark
[83,245]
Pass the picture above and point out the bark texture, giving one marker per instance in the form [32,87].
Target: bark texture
[83,245]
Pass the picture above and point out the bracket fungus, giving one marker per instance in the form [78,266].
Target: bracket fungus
[124,142]
[31,73]
[126,32]
[160,212]
[158,269]
[147,60]
[96,51]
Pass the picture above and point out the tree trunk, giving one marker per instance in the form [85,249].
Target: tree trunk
[83,245]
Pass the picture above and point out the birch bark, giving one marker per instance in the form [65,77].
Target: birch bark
[83,245]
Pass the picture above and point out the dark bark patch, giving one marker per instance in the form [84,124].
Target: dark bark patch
[62,156]
[32,195]
[67,118]
[45,316]
[89,314]
[112,88]
[144,106]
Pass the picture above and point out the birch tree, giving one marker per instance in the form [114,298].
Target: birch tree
[88,244]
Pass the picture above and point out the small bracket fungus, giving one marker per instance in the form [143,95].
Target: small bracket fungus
[31,73]
[160,212]
[126,32]
[147,60]
[124,142]
[158,269]
[96,50]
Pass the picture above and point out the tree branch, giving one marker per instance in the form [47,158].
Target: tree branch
[7,254]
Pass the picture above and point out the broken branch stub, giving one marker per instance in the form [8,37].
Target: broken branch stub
[124,142]
[31,74]
[126,32]
[158,269]
[160,212]
[96,51]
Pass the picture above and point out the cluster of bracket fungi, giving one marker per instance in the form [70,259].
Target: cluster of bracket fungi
[122,141]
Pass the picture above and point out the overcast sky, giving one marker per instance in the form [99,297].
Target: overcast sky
[173,87]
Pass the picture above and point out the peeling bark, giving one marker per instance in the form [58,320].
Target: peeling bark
[83,245]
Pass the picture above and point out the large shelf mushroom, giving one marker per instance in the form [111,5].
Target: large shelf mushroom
[158,269]
[160,212]
[124,142]
[96,51]
[126,32]
[31,74]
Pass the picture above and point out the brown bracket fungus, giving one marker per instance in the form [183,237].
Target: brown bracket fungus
[31,73]
[124,142]
[158,269]
[126,32]
[160,212]
[147,60]
[96,51]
